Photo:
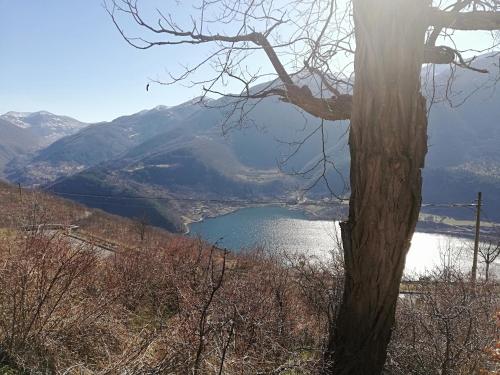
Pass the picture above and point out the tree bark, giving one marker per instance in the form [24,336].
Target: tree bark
[388,143]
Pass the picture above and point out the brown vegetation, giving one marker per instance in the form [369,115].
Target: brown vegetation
[386,41]
[175,305]
[26,207]
[445,328]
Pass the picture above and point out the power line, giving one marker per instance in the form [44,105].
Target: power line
[448,205]
[494,226]
[180,199]
[235,201]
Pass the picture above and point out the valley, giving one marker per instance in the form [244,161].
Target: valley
[250,187]
[179,164]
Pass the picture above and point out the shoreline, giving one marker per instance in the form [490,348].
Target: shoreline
[215,213]
[311,212]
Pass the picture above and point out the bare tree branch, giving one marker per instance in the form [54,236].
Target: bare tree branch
[478,20]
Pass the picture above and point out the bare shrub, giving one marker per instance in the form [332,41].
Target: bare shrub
[236,314]
[444,326]
[41,283]
[175,305]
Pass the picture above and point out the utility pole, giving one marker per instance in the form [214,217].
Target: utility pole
[476,239]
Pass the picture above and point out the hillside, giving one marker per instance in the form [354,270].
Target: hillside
[95,144]
[14,142]
[46,126]
[175,152]
[31,207]
[23,133]
[464,156]
[99,299]
[182,152]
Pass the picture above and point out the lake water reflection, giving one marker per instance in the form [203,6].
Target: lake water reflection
[278,228]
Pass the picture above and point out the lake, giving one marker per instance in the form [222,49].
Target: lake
[279,228]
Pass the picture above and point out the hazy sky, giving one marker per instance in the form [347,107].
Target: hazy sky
[66,57]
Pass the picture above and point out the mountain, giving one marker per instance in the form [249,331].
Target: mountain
[185,155]
[464,139]
[14,142]
[180,155]
[22,133]
[96,143]
[46,126]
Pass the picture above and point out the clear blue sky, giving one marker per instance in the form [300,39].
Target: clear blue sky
[66,57]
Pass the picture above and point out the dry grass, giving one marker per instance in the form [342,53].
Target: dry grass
[174,305]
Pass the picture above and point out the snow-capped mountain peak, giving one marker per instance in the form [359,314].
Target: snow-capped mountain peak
[46,126]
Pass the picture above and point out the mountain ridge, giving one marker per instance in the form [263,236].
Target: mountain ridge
[182,149]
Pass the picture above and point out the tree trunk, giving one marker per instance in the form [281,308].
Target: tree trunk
[388,143]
